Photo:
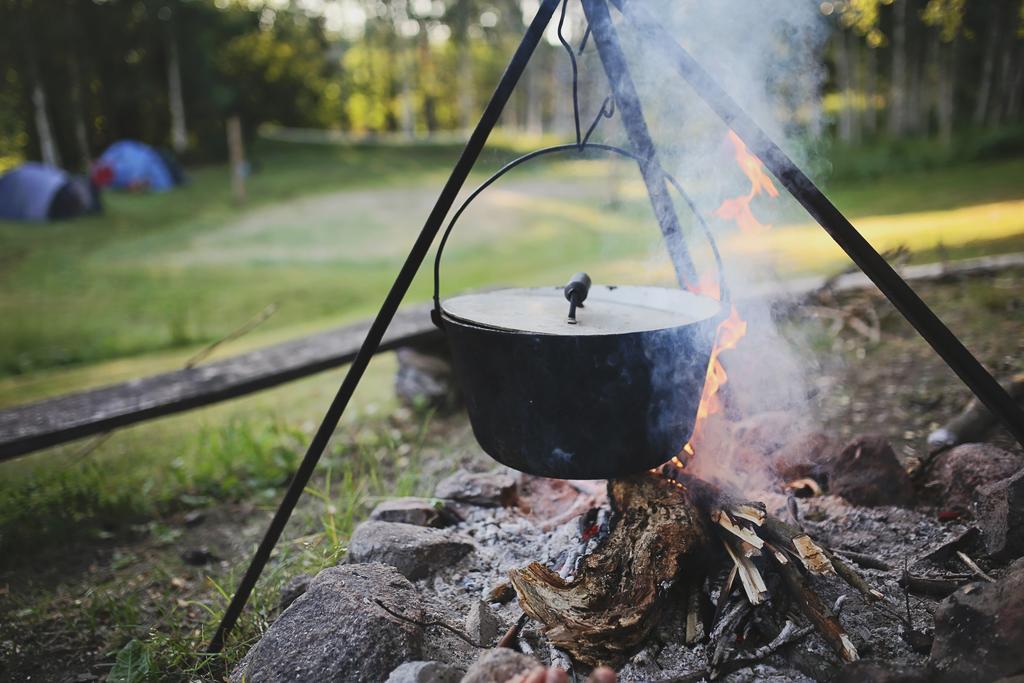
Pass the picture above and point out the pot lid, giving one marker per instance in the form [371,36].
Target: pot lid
[608,310]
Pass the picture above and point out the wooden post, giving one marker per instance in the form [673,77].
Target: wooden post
[236,157]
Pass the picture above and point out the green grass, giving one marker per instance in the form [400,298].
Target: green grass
[177,270]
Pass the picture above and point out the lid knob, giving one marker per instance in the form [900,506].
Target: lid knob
[576,293]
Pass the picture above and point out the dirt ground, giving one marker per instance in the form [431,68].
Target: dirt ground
[65,614]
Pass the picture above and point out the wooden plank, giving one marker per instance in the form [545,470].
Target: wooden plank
[30,427]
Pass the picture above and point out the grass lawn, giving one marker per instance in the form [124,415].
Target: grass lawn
[141,288]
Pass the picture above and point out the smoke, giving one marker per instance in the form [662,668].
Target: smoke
[767,54]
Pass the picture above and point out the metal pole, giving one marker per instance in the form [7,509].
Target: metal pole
[906,301]
[628,103]
[387,311]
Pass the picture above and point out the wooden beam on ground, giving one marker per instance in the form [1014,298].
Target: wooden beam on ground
[54,421]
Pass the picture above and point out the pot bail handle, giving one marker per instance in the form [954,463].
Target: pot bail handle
[435,313]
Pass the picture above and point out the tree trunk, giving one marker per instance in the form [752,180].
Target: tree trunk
[179,134]
[466,94]
[841,47]
[1014,101]
[47,144]
[987,69]
[37,94]
[534,104]
[997,113]
[915,115]
[78,114]
[947,86]
[898,79]
[871,90]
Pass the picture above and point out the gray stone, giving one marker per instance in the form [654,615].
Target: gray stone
[425,377]
[417,511]
[999,513]
[414,551]
[958,472]
[482,624]
[868,473]
[296,586]
[479,488]
[499,666]
[336,631]
[979,630]
[425,672]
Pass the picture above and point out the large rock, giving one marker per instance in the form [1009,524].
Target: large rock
[979,630]
[414,551]
[425,672]
[999,513]
[290,591]
[479,488]
[958,472]
[336,631]
[499,665]
[868,473]
[416,511]
[807,454]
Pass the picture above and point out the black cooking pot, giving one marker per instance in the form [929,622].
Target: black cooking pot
[580,382]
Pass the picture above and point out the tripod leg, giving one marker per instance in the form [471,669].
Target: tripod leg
[387,311]
[628,103]
[814,201]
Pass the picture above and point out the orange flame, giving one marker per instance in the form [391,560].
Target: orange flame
[738,208]
[731,330]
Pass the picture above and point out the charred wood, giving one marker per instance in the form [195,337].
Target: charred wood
[619,592]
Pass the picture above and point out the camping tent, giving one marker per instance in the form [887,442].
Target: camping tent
[131,165]
[36,192]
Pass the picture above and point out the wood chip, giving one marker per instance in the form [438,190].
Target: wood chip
[750,577]
[740,532]
[973,566]
[780,556]
[812,556]
[752,512]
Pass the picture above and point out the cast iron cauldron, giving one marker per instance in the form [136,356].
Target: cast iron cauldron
[613,393]
[608,390]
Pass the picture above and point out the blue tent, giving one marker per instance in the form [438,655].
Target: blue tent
[36,192]
[131,165]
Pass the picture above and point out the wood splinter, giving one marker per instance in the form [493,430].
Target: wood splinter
[750,577]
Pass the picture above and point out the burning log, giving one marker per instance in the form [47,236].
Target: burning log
[619,591]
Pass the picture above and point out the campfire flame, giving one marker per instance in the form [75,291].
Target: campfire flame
[732,329]
[738,208]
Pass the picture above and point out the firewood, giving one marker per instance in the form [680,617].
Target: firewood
[934,586]
[694,623]
[511,637]
[753,512]
[973,566]
[812,556]
[818,613]
[620,589]
[722,519]
[750,577]
[865,560]
[974,421]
